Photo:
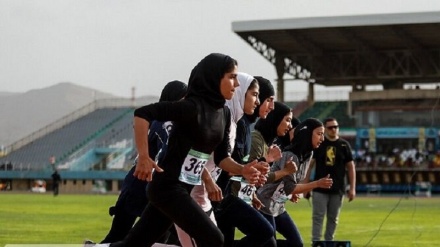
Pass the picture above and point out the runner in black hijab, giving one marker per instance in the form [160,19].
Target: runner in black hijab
[132,199]
[284,141]
[201,125]
[268,127]
[266,91]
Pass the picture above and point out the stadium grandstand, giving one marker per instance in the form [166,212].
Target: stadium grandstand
[90,146]
[394,129]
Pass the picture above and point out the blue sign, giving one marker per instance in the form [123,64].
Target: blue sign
[397,133]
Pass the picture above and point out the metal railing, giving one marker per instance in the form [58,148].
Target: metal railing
[97,104]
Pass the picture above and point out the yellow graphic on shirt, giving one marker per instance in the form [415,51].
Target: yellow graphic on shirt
[330,156]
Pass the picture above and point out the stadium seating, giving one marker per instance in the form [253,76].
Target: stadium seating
[76,138]
[325,109]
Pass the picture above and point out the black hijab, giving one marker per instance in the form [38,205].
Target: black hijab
[302,141]
[173,91]
[268,127]
[266,91]
[284,141]
[204,81]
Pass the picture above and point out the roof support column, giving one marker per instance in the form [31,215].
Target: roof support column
[311,94]
[279,66]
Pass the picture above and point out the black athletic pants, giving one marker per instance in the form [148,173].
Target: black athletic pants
[171,202]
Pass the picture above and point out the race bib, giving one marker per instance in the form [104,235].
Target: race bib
[191,172]
[216,173]
[246,190]
[279,198]
[279,194]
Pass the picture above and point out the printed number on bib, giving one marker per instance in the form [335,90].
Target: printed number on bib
[216,173]
[191,172]
[246,192]
[279,194]
[279,199]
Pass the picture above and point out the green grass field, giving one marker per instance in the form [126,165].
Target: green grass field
[68,219]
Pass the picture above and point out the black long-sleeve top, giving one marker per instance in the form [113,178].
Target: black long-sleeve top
[197,125]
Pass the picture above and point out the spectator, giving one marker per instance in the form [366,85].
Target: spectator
[56,179]
[333,157]
[436,160]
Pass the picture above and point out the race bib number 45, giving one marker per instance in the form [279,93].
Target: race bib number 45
[279,194]
[191,172]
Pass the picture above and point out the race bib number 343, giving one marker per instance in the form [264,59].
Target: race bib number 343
[191,172]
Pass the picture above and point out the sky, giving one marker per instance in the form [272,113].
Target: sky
[116,45]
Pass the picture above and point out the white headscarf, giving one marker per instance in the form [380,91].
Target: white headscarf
[236,104]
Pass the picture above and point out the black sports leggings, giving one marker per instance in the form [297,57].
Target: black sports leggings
[171,202]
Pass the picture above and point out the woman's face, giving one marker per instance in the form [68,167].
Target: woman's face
[228,84]
[285,125]
[291,134]
[251,99]
[317,136]
[266,106]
